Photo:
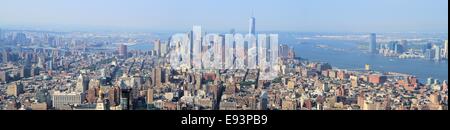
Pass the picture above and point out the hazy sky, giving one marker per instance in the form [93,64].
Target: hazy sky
[276,15]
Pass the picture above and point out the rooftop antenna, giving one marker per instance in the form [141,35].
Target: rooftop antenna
[253,12]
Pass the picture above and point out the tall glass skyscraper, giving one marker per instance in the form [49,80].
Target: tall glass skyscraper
[437,53]
[229,51]
[252,51]
[252,26]
[373,43]
[197,47]
[262,51]
[240,51]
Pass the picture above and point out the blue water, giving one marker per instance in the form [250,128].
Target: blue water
[349,56]
[142,47]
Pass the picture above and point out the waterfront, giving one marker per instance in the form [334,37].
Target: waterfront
[347,55]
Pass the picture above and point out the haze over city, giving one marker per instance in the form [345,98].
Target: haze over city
[224,55]
[273,15]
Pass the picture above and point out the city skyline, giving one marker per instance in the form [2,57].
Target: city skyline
[176,15]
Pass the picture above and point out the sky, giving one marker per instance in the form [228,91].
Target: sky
[223,15]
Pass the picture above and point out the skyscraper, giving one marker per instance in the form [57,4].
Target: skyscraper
[252,51]
[446,49]
[429,54]
[264,101]
[437,53]
[157,77]
[82,84]
[240,51]
[125,99]
[150,96]
[15,89]
[164,47]
[5,55]
[123,51]
[181,57]
[197,47]
[262,51]
[157,47]
[252,26]
[229,51]
[274,47]
[284,51]
[373,43]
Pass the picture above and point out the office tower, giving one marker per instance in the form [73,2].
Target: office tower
[437,53]
[404,43]
[291,53]
[398,48]
[429,54]
[354,81]
[5,56]
[91,95]
[373,43]
[263,41]
[240,51]
[274,49]
[157,47]
[197,37]
[20,38]
[219,53]
[157,77]
[50,63]
[25,72]
[15,89]
[252,51]
[252,26]
[51,41]
[64,101]
[213,57]
[150,96]
[100,104]
[4,76]
[209,51]
[264,103]
[41,61]
[125,99]
[229,51]
[284,51]
[113,96]
[164,48]
[446,49]
[181,57]
[82,84]
[123,51]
